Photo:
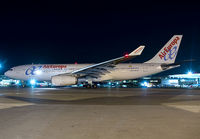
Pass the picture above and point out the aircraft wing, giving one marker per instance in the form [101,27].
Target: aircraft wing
[99,69]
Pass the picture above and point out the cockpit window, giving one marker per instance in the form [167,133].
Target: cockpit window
[11,69]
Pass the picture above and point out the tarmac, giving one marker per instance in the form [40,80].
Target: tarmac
[105,113]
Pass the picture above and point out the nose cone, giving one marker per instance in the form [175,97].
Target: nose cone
[7,73]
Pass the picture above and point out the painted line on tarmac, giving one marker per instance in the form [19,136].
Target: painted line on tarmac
[12,105]
[190,108]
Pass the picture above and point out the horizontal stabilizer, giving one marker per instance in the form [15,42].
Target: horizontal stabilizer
[176,64]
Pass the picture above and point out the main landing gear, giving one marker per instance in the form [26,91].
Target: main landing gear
[90,86]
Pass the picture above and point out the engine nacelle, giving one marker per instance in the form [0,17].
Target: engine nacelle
[63,80]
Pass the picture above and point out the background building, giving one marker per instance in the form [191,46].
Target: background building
[189,80]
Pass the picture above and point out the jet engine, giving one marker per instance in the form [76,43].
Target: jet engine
[63,80]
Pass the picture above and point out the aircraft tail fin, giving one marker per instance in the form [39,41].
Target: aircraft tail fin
[169,52]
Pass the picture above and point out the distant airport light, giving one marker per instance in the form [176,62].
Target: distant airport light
[189,73]
[124,86]
[182,80]
[173,81]
[145,84]
[32,81]
[17,82]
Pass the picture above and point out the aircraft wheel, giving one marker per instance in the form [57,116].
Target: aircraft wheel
[94,86]
[88,86]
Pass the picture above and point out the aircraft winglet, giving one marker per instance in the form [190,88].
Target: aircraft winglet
[137,51]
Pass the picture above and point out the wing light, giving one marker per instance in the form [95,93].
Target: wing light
[126,55]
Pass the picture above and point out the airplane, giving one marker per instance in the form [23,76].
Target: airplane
[89,74]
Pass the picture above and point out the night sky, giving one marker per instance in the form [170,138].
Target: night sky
[88,32]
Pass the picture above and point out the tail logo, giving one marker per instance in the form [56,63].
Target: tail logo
[172,53]
[169,50]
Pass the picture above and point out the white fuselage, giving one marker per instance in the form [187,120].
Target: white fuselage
[44,72]
[68,74]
